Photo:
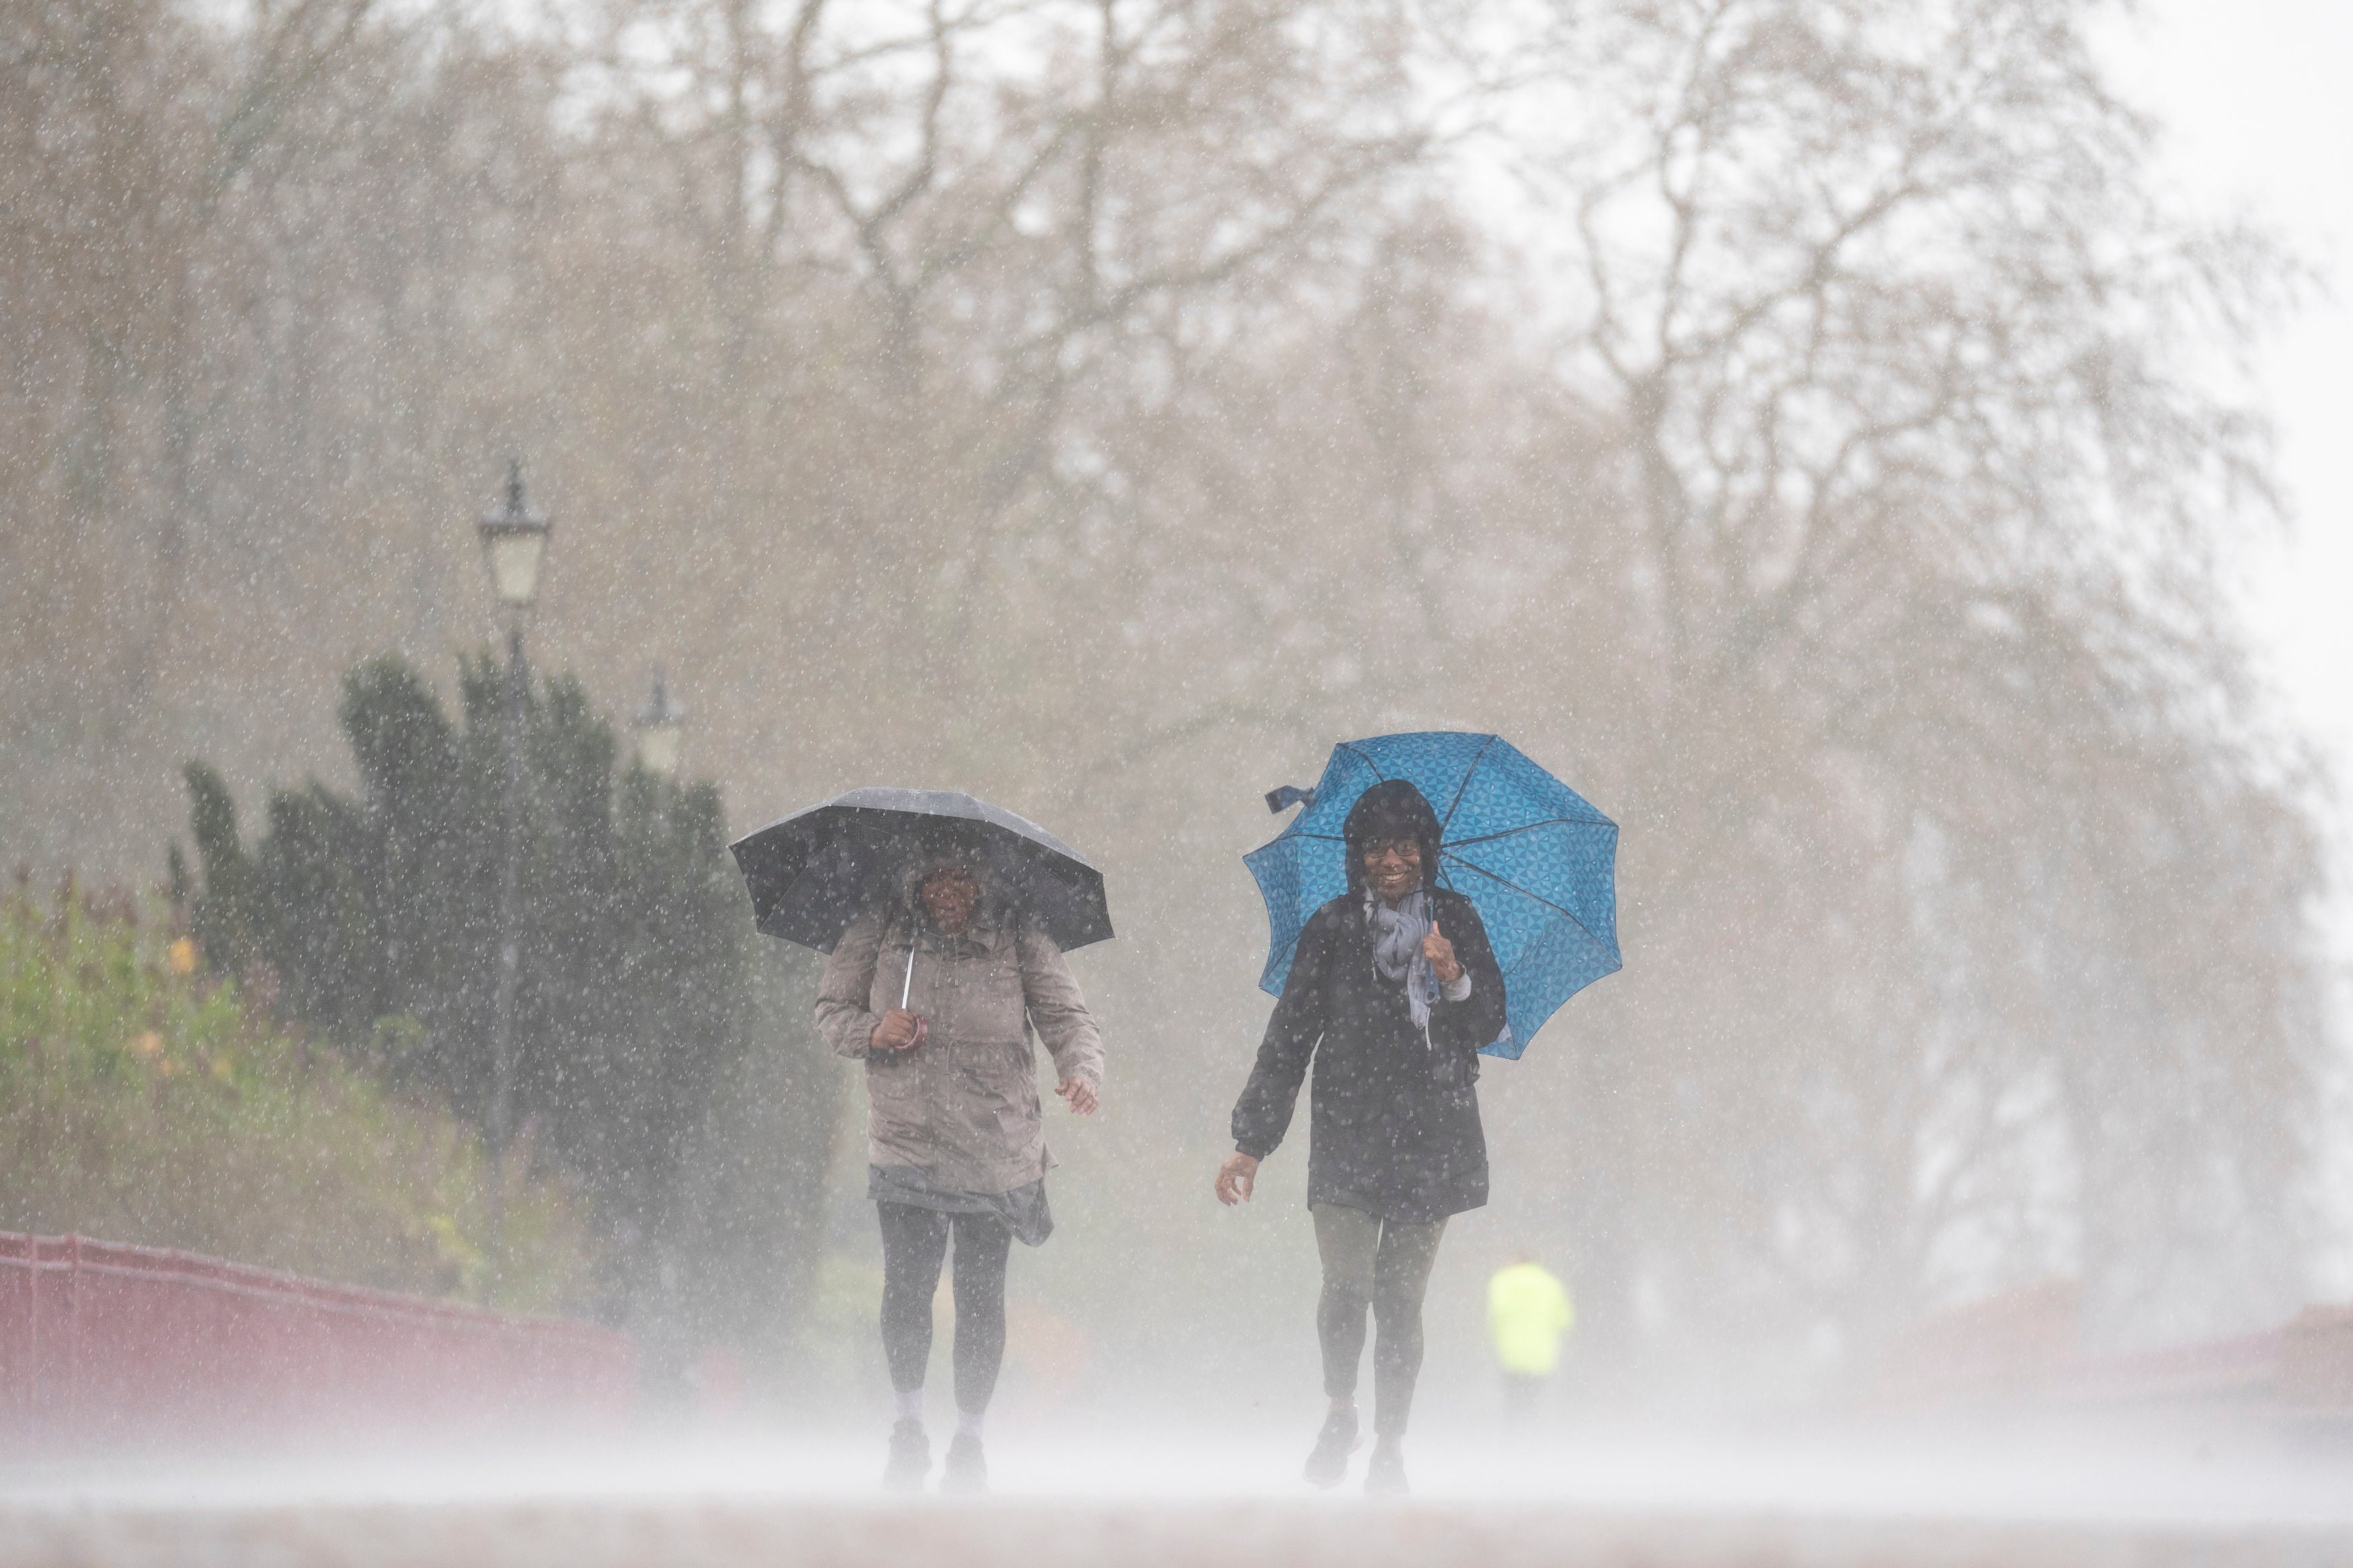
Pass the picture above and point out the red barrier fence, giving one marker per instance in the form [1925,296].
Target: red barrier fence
[2025,1348]
[103,1344]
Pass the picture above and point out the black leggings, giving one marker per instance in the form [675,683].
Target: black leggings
[915,1244]
[1383,1265]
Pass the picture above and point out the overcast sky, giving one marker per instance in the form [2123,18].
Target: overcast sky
[2255,93]
[2262,120]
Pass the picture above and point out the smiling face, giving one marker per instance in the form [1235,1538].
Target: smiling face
[1392,867]
[950,895]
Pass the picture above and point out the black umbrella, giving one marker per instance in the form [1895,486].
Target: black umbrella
[812,873]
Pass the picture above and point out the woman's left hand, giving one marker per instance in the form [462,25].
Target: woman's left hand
[1079,1093]
[1441,954]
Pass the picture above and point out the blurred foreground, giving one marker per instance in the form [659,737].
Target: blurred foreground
[2082,1496]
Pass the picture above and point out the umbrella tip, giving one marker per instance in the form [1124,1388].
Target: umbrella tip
[1281,800]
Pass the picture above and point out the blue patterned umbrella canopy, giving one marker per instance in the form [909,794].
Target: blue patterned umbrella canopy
[1535,856]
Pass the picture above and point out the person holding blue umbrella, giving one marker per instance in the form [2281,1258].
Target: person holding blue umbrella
[1456,932]
[1392,990]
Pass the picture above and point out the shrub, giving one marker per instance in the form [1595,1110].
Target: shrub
[144,1101]
[634,934]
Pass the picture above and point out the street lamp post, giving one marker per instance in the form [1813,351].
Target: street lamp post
[513,538]
[661,730]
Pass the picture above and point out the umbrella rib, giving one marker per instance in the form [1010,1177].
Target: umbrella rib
[1378,776]
[1524,827]
[1450,846]
[1463,788]
[1514,887]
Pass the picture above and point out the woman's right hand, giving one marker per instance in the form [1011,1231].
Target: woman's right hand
[1236,1177]
[897,1031]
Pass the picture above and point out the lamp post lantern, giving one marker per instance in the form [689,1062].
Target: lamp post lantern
[514,538]
[661,730]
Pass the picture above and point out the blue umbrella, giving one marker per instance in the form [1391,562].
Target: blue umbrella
[1532,854]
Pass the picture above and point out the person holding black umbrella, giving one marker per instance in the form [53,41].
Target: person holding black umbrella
[1392,991]
[937,989]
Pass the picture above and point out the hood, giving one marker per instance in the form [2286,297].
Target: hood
[1392,808]
[987,916]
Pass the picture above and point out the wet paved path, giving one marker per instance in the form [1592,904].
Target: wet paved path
[578,1533]
[2078,1502]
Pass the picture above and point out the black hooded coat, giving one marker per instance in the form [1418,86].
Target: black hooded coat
[1394,1120]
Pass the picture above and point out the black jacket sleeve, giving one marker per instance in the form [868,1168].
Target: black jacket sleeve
[1262,1115]
[1478,1018]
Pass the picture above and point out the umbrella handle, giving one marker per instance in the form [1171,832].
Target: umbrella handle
[907,988]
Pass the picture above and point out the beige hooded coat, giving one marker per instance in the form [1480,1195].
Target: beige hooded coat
[962,1107]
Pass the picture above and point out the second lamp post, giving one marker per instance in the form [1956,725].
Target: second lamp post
[661,730]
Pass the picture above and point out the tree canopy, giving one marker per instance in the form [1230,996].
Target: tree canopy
[373,917]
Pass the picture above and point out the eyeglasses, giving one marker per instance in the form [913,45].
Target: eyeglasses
[1382,848]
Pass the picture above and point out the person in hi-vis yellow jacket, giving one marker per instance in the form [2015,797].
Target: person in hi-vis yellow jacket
[1529,1312]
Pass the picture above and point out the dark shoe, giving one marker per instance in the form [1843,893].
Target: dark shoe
[1384,1476]
[910,1458]
[966,1474]
[1327,1466]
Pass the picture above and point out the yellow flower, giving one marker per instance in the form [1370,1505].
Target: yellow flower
[182,956]
[149,1044]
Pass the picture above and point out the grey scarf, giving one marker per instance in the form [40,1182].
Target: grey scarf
[1397,949]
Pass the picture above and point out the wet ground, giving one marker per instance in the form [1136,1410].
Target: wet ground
[2002,1500]
[1021,1534]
